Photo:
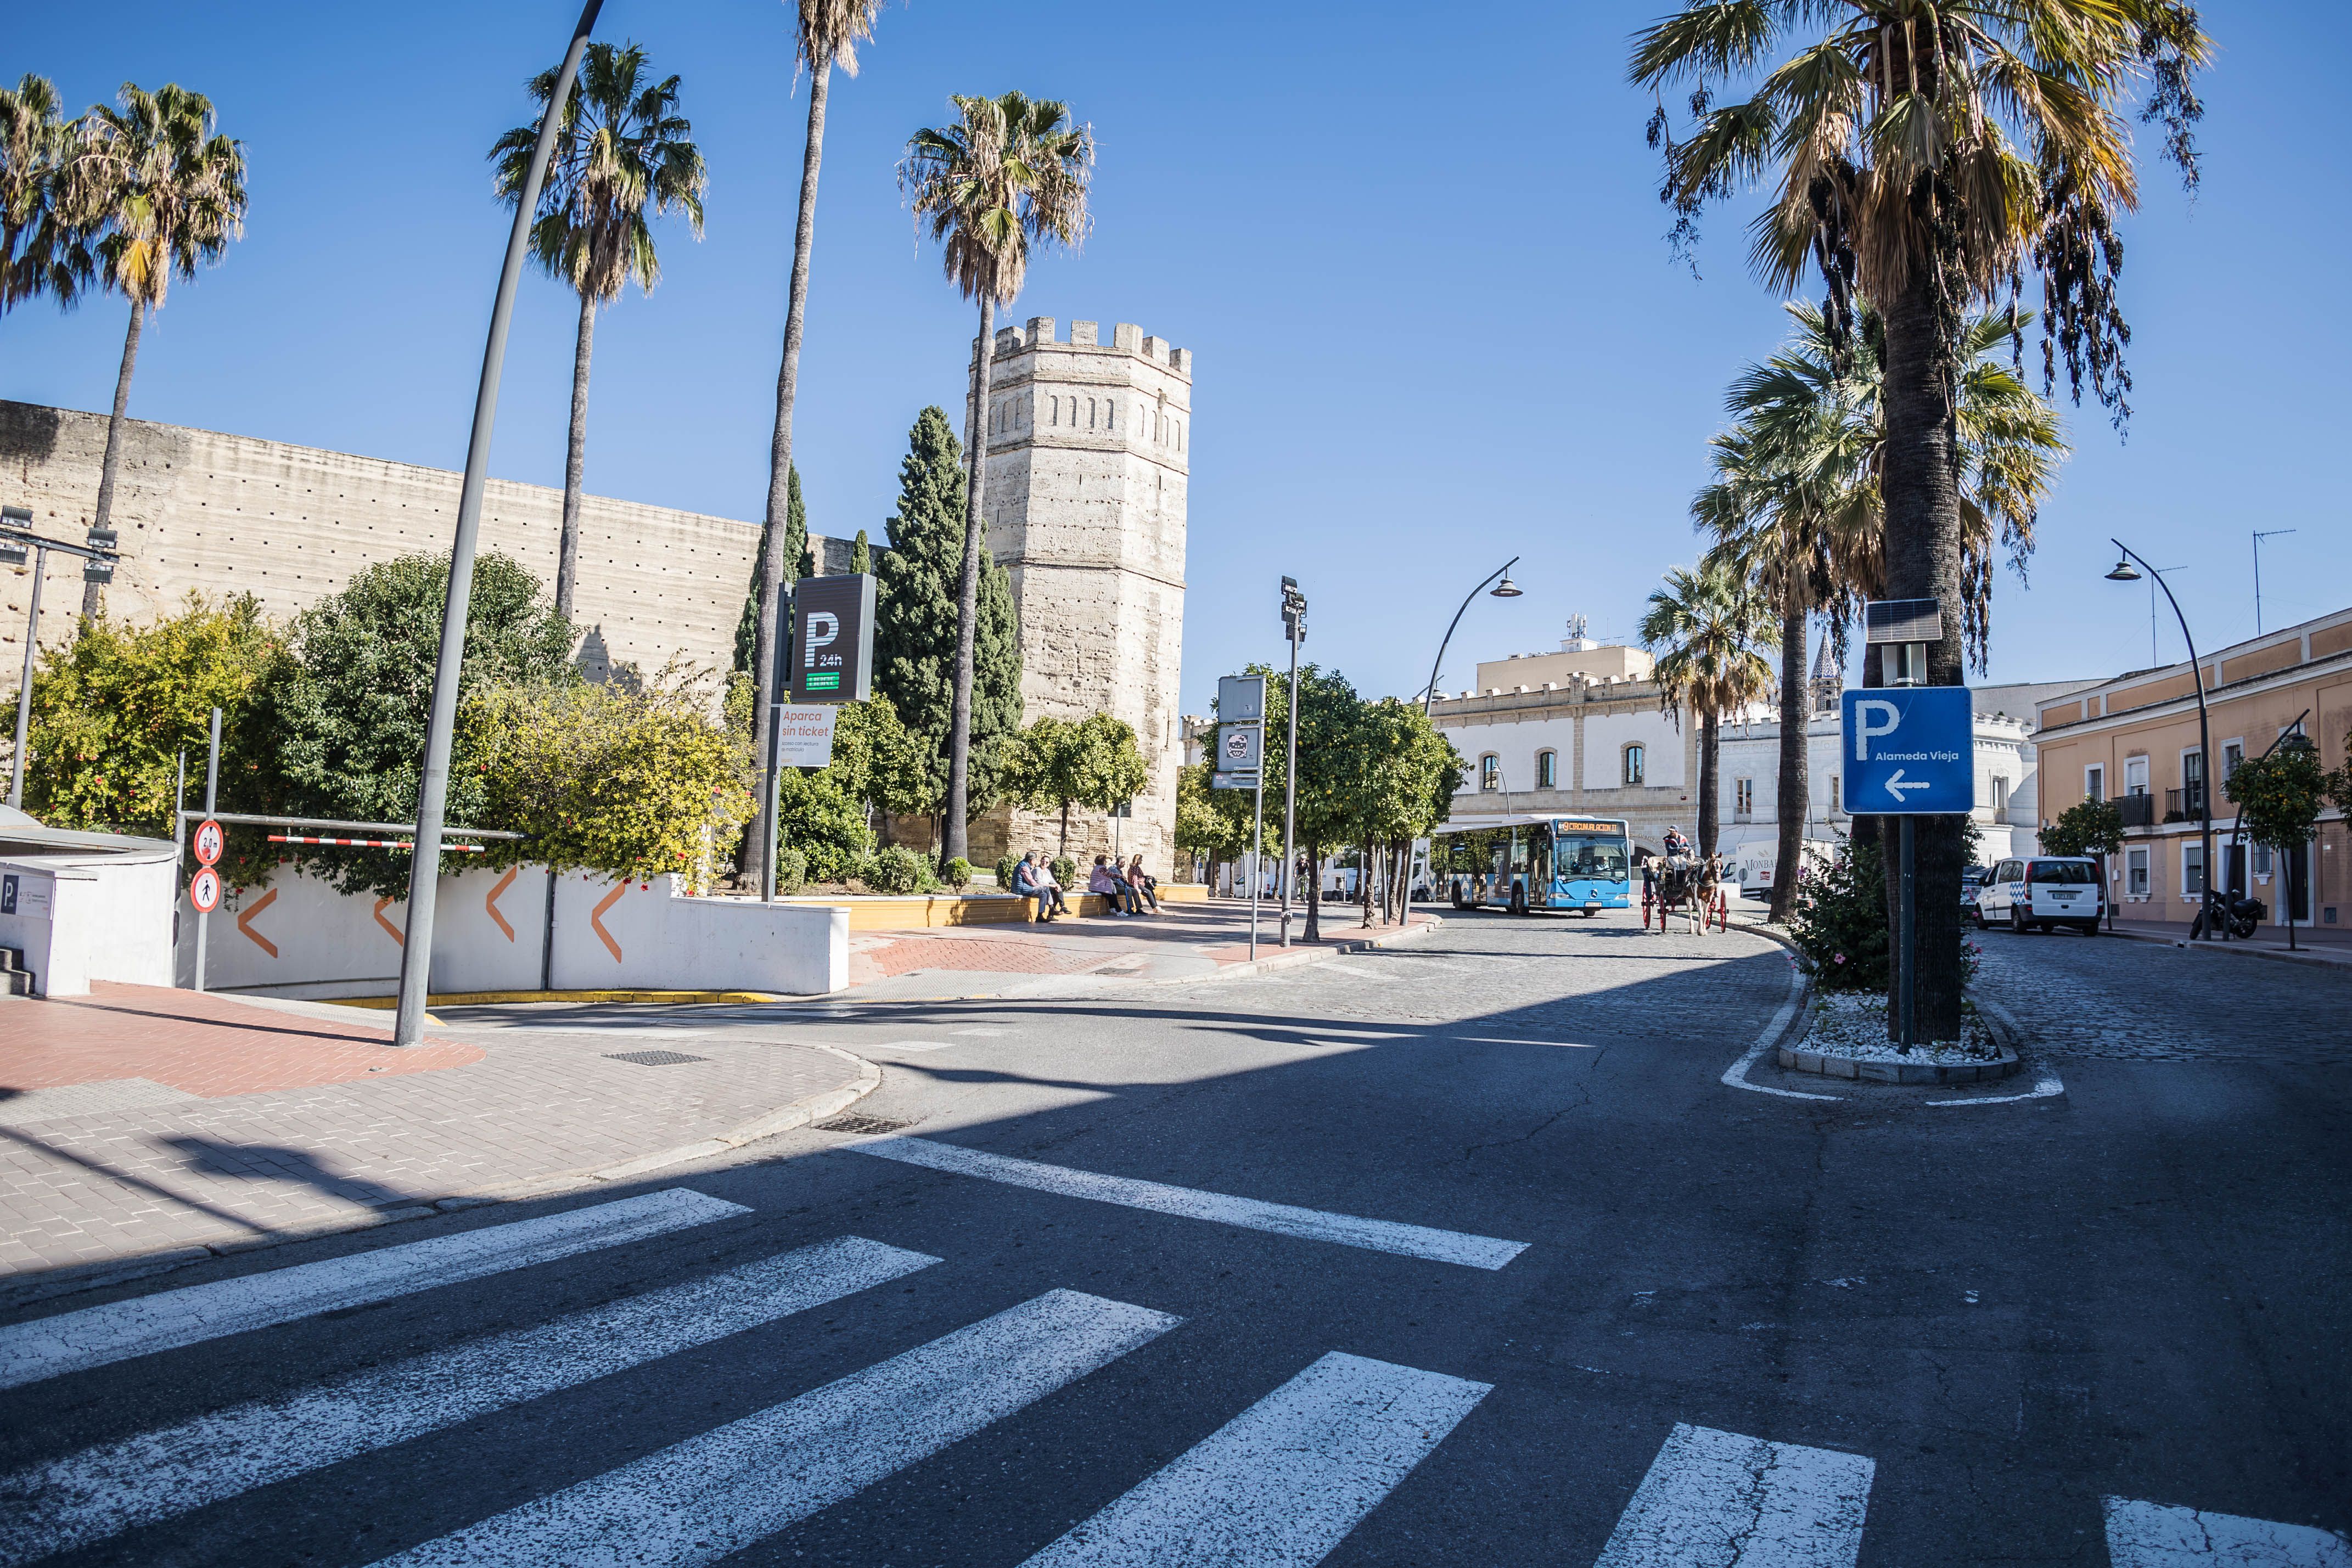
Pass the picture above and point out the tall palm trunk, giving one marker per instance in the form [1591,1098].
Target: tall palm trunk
[771,626]
[1710,740]
[975,539]
[114,464]
[1921,494]
[1795,801]
[575,461]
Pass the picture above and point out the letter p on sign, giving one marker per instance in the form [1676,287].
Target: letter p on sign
[1872,716]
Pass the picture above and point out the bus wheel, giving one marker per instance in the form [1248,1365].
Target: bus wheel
[1519,898]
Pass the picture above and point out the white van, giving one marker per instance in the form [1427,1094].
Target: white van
[2044,893]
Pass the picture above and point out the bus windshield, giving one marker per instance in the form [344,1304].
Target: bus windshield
[1591,857]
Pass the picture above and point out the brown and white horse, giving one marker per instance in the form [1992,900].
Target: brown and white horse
[1688,883]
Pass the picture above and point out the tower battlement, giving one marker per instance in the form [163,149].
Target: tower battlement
[1126,337]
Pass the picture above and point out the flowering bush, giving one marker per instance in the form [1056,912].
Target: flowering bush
[1840,921]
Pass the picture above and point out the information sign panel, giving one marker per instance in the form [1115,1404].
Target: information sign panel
[209,839]
[1909,751]
[1233,781]
[832,638]
[805,735]
[1239,745]
[1240,699]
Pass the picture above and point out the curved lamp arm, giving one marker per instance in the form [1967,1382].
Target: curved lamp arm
[1429,691]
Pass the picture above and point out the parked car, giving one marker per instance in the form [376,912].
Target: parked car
[2044,893]
[1972,880]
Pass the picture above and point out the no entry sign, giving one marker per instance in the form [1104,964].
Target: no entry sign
[208,842]
[204,891]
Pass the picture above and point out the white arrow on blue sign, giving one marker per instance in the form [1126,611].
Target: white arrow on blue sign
[1910,750]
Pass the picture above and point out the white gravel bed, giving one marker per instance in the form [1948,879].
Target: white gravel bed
[1853,1026]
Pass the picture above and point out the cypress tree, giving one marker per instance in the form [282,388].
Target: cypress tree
[915,613]
[795,563]
[861,554]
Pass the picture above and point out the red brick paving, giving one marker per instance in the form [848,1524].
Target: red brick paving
[1031,957]
[200,1044]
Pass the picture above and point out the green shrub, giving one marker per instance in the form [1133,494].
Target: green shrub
[1005,868]
[896,869]
[792,870]
[958,873]
[1065,872]
[1840,921]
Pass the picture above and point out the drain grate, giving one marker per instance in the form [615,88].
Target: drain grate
[857,1124]
[652,1057]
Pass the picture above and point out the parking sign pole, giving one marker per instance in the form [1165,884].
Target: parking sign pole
[1910,938]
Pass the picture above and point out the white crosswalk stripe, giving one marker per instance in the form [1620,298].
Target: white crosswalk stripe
[698,1500]
[2152,1535]
[168,1319]
[1253,1214]
[1714,1498]
[112,1487]
[1281,1484]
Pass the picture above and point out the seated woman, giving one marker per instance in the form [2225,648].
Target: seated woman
[1033,879]
[1143,885]
[1108,882]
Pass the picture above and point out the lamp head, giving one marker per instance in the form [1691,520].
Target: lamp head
[1505,589]
[2125,572]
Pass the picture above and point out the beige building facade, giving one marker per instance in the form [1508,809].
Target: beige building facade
[1089,447]
[2134,740]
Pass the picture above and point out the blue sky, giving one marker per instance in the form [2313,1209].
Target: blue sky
[1422,270]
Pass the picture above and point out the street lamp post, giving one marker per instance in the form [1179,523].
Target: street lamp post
[1505,589]
[433,784]
[2123,573]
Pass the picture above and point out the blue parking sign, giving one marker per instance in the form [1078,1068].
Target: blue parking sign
[1909,750]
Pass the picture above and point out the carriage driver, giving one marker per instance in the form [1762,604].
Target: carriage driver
[1675,843]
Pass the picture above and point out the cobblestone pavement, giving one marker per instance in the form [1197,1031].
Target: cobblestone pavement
[2138,1001]
[124,1163]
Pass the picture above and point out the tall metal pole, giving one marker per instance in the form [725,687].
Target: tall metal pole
[1429,693]
[433,786]
[25,687]
[771,768]
[2204,745]
[2259,537]
[1290,782]
[212,804]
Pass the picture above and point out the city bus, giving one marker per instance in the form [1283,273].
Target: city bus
[1524,862]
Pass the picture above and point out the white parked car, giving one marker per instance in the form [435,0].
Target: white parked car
[2045,892]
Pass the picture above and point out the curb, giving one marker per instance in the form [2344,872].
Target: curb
[784,1119]
[495,998]
[1907,1073]
[2309,961]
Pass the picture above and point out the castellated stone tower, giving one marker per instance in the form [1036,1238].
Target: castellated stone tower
[1088,445]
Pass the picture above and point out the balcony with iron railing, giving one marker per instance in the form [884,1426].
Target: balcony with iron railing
[2138,810]
[2185,804]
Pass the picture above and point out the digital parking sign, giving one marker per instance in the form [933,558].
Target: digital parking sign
[832,648]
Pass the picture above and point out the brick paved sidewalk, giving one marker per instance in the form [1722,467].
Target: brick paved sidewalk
[1187,941]
[141,1123]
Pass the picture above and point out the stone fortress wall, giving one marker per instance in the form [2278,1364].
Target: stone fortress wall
[1088,451]
[196,509]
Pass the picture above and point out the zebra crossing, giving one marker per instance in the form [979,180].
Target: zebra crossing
[1281,1484]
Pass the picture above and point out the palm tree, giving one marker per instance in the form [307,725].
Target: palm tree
[1928,154]
[42,249]
[1012,171]
[1795,503]
[828,36]
[622,146]
[1709,623]
[169,191]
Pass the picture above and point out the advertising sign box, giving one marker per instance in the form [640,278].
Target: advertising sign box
[805,735]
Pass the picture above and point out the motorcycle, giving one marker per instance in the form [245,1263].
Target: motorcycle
[2238,917]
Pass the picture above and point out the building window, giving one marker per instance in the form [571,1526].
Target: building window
[1490,772]
[2094,783]
[2135,774]
[2261,859]
[1743,798]
[2136,874]
[1634,759]
[1547,769]
[1999,798]
[2233,756]
[1837,793]
[2192,871]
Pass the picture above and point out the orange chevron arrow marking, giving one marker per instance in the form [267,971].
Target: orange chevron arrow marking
[597,920]
[255,937]
[492,902]
[389,929]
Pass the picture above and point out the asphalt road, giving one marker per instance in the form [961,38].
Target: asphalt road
[1120,1305]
